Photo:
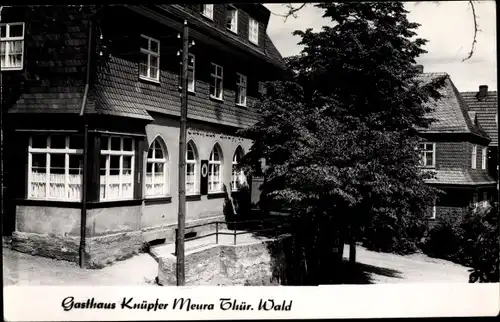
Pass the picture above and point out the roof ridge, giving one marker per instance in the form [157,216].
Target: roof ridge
[463,106]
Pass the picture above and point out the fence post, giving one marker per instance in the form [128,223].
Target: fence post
[216,232]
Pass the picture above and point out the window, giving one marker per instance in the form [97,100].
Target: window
[434,210]
[237,178]
[190,74]
[214,170]
[262,88]
[484,158]
[474,156]
[253,31]
[157,170]
[475,199]
[207,10]
[232,19]
[149,66]
[55,167]
[11,46]
[191,165]
[117,168]
[428,151]
[216,85]
[241,89]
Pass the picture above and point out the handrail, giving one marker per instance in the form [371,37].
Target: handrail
[233,233]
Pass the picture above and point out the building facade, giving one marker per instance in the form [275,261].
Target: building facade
[484,104]
[92,99]
[455,149]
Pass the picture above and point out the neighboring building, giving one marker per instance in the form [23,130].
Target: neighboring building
[115,70]
[484,104]
[455,147]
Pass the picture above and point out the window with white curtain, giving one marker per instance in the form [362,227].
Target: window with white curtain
[55,167]
[237,178]
[232,18]
[191,169]
[11,46]
[117,168]
[157,170]
[241,89]
[207,10]
[253,31]
[214,170]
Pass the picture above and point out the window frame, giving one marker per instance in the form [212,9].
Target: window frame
[212,164]
[255,23]
[214,78]
[108,152]
[484,158]
[262,88]
[239,86]
[237,177]
[424,152]
[149,53]
[434,210]
[7,39]
[204,11]
[234,16]
[48,152]
[195,162]
[191,67]
[474,156]
[153,160]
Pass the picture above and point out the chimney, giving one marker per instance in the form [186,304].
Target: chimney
[420,69]
[483,92]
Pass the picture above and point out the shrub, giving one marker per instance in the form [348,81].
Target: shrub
[471,240]
[481,246]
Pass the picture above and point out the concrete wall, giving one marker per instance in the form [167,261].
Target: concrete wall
[247,264]
[48,220]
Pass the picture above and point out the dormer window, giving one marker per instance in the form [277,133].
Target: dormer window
[11,46]
[208,11]
[232,19]
[149,66]
[253,31]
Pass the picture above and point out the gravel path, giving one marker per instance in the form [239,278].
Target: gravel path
[24,269]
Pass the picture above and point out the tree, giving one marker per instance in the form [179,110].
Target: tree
[339,136]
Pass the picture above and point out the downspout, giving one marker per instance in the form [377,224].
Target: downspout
[83,221]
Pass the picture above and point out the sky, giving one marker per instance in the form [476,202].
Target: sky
[448,25]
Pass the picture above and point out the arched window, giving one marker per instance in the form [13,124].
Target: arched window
[237,178]
[191,165]
[157,169]
[214,170]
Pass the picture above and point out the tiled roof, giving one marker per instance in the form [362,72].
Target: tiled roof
[273,53]
[53,100]
[460,177]
[486,109]
[450,111]
[119,92]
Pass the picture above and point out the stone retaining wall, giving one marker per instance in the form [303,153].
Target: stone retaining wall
[100,250]
[247,264]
